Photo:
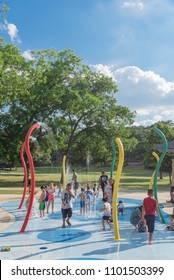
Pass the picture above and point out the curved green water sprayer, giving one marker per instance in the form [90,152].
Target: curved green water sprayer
[165,148]
[113,159]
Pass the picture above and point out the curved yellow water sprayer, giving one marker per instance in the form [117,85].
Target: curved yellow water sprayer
[116,185]
[152,178]
[64,171]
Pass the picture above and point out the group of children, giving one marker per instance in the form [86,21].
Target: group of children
[45,200]
[107,189]
[143,217]
[86,197]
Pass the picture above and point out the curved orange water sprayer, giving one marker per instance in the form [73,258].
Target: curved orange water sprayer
[25,174]
[152,178]
[30,160]
[116,185]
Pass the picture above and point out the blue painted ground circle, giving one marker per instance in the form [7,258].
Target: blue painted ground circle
[64,235]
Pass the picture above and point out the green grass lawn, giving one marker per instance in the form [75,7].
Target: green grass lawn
[132,178]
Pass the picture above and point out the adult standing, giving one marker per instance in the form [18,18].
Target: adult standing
[103,181]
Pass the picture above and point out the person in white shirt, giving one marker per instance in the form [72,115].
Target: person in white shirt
[67,204]
[106,213]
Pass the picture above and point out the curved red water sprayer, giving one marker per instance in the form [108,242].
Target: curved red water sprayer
[31,164]
[25,174]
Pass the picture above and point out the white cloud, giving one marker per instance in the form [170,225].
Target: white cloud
[133,4]
[146,92]
[149,121]
[105,70]
[27,54]
[137,87]
[12,31]
[146,122]
[143,112]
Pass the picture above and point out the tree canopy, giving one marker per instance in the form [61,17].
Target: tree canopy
[58,89]
[77,104]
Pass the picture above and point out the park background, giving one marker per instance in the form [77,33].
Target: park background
[89,72]
[80,106]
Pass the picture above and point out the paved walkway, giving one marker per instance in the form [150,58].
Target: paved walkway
[6,218]
[45,239]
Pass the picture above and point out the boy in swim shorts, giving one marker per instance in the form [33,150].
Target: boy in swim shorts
[42,202]
[67,205]
[82,197]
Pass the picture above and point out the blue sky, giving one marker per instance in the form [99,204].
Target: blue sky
[132,41]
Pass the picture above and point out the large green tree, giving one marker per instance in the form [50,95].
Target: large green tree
[13,83]
[13,74]
[138,150]
[56,88]
[31,92]
[89,107]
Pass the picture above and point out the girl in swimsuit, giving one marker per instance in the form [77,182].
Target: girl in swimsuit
[51,196]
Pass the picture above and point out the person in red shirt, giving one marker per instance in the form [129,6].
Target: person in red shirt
[150,207]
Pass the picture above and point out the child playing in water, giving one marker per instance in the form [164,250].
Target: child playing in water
[42,202]
[51,196]
[82,197]
[95,192]
[120,207]
[59,189]
[141,227]
[46,198]
[88,197]
[106,213]
[66,207]
[108,191]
